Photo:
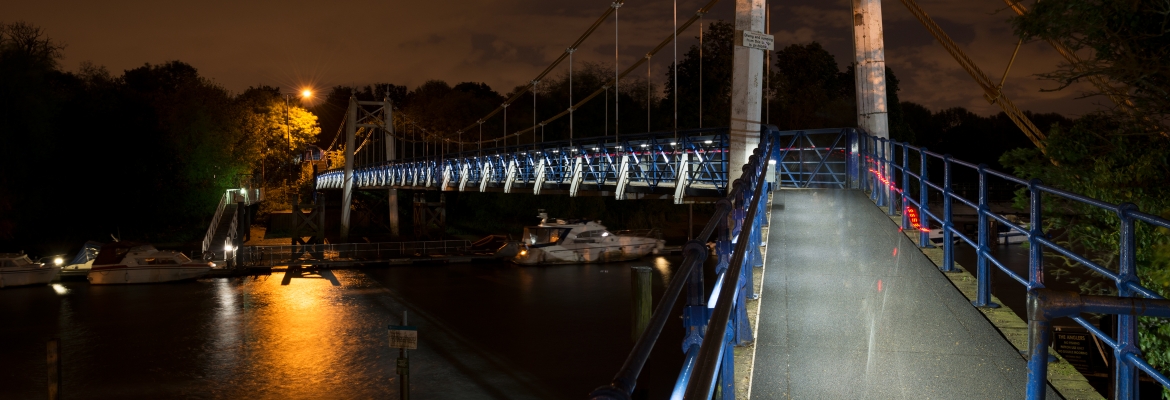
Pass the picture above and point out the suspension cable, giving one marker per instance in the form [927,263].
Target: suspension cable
[616,77]
[989,91]
[570,50]
[666,41]
[568,53]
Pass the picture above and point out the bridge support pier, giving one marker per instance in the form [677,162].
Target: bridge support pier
[392,198]
[747,88]
[427,214]
[870,72]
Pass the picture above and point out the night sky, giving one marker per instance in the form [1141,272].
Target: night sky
[506,43]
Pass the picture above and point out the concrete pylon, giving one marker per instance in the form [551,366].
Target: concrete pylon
[747,88]
[347,183]
[870,72]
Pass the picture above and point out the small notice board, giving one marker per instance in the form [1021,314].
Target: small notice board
[755,40]
[403,337]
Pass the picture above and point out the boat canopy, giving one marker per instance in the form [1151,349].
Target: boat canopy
[544,236]
[89,251]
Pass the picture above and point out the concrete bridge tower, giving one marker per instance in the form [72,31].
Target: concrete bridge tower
[870,72]
[747,85]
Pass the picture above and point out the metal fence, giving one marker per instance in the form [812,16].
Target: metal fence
[714,323]
[691,159]
[267,256]
[891,180]
[814,158]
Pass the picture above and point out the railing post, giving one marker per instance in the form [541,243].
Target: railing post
[905,186]
[1035,249]
[888,174]
[851,156]
[727,368]
[923,201]
[1039,338]
[983,295]
[863,162]
[948,221]
[1126,386]
[881,171]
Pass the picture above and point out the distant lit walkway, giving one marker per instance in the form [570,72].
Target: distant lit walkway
[852,309]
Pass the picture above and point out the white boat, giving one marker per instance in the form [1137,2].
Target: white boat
[573,242]
[122,262]
[1005,236]
[19,270]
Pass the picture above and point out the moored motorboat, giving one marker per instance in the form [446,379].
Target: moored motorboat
[573,242]
[122,262]
[19,270]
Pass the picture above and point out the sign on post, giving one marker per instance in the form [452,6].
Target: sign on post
[755,40]
[403,337]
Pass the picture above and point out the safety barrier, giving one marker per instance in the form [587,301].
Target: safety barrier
[889,180]
[717,322]
[691,159]
[815,158]
[267,256]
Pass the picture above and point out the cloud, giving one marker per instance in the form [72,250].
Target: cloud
[506,43]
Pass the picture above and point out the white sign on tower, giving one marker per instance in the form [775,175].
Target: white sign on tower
[754,40]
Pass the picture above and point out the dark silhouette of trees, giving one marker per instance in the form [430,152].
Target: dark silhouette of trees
[145,154]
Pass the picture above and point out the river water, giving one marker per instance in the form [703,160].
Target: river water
[486,331]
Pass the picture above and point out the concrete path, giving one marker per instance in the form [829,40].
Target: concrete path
[851,309]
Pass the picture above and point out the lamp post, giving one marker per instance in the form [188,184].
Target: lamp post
[305,94]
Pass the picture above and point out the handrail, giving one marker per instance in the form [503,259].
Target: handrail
[702,383]
[223,200]
[252,256]
[696,252]
[887,186]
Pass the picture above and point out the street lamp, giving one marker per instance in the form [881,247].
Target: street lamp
[305,94]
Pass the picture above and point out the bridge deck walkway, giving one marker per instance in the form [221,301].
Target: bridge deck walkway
[852,309]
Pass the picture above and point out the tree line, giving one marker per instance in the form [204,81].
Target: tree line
[143,155]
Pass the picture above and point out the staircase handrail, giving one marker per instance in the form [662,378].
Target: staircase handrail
[207,237]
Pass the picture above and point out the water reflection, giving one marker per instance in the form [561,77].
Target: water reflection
[486,331]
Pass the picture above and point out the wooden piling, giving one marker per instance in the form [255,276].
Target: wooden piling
[640,290]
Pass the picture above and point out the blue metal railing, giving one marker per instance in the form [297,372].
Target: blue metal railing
[716,323]
[815,158]
[889,180]
[653,160]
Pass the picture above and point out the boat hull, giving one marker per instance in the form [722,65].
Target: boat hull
[28,276]
[601,254]
[119,275]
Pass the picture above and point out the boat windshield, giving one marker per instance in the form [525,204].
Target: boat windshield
[536,235]
[15,262]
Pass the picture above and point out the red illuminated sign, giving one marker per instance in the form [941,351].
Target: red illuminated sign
[915,221]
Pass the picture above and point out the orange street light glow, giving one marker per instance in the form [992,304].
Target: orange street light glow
[306,93]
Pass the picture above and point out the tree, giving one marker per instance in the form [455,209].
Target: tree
[1129,46]
[1118,154]
[711,76]
[275,131]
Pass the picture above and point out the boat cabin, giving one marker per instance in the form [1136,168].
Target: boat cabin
[538,236]
[14,260]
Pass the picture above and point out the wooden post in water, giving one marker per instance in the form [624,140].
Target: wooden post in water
[53,360]
[640,288]
[404,368]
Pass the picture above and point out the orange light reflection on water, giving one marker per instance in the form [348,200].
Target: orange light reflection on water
[298,338]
